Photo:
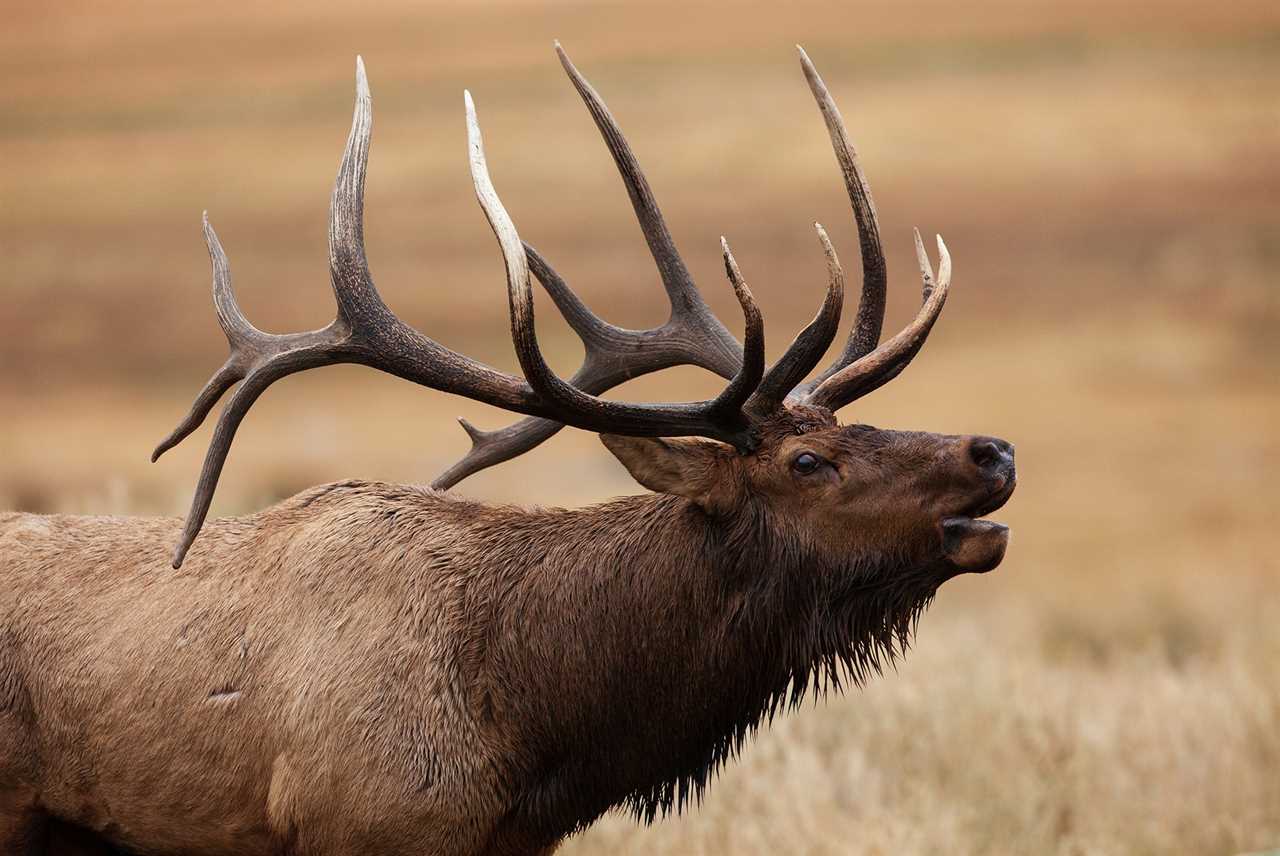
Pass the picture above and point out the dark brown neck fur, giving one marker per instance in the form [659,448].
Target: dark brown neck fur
[639,642]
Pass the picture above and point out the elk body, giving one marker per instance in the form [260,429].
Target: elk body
[375,668]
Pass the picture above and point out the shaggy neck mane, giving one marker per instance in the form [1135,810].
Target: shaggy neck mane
[646,640]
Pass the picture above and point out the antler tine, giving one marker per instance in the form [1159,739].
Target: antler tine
[590,328]
[812,342]
[865,334]
[353,287]
[887,361]
[748,378]
[688,309]
[720,418]
[230,318]
[241,336]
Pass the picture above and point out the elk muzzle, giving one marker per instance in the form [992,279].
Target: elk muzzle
[971,545]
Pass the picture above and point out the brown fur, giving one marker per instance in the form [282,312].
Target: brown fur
[373,668]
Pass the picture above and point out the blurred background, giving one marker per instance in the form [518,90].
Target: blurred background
[1107,176]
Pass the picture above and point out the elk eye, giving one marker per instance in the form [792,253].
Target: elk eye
[805,463]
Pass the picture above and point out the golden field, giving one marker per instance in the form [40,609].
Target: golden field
[1107,176]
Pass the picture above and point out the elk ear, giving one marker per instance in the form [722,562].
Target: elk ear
[680,467]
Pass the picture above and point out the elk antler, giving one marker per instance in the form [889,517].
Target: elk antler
[691,336]
[366,332]
[614,355]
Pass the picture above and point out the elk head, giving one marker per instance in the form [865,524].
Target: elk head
[839,492]
[766,454]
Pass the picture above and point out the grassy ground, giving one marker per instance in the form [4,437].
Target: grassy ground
[1106,176]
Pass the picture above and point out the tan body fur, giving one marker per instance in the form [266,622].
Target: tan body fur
[230,706]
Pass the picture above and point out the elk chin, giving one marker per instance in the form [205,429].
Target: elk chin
[973,546]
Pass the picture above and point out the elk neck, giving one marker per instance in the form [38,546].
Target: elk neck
[641,641]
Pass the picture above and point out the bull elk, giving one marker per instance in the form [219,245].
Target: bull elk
[373,668]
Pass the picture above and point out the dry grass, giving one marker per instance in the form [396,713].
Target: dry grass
[1106,175]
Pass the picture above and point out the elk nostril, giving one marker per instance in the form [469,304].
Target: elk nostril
[990,454]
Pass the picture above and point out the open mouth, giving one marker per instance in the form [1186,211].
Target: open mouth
[976,546]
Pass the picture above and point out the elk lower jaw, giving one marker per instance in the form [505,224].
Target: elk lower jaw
[973,546]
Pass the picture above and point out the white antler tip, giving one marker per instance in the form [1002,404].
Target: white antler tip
[210,237]
[806,63]
[944,263]
[926,267]
[474,140]
[362,79]
[473,123]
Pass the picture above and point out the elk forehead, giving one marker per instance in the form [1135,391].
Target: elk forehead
[807,427]
[793,420]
